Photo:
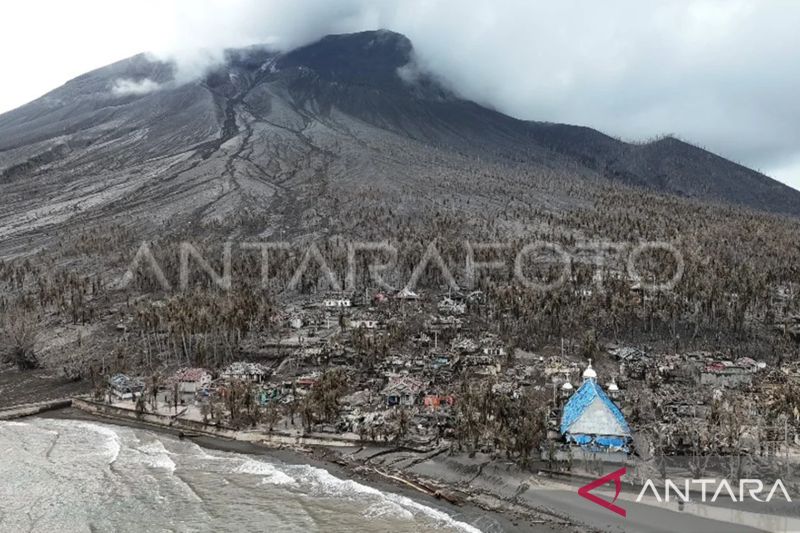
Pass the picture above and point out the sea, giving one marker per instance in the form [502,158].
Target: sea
[77,476]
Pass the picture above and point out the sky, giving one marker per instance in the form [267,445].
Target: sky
[723,74]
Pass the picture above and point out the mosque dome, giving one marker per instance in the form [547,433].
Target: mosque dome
[589,373]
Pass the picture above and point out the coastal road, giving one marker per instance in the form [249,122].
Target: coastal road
[652,517]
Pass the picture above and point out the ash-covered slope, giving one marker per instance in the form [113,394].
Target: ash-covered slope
[670,165]
[287,138]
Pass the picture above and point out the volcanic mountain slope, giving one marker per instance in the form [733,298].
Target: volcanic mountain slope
[292,139]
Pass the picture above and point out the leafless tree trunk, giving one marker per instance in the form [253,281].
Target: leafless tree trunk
[20,328]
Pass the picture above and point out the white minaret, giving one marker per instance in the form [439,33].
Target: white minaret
[613,390]
[589,374]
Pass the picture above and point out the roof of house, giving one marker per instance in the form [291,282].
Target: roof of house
[628,353]
[402,385]
[191,374]
[582,399]
[746,362]
[240,368]
[121,381]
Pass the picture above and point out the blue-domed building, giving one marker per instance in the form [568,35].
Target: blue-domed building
[591,420]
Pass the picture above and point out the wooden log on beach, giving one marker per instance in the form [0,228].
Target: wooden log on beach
[436,493]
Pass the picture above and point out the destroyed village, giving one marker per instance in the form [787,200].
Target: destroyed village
[319,288]
[549,379]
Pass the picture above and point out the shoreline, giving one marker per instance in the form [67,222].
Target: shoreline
[481,491]
[331,460]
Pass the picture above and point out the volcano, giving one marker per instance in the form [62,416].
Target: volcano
[287,141]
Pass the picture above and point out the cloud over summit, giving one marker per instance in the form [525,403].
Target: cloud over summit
[720,73]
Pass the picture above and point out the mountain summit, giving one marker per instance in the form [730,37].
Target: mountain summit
[288,137]
[371,57]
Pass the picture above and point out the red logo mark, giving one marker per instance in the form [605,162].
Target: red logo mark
[585,491]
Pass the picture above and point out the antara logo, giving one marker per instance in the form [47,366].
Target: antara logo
[748,489]
[616,477]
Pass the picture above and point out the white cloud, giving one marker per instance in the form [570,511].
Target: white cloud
[124,87]
[722,73]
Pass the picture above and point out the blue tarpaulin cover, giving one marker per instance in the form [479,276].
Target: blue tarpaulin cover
[611,442]
[579,401]
[580,439]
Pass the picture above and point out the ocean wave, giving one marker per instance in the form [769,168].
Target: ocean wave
[112,442]
[199,452]
[331,486]
[271,475]
[145,474]
[155,455]
[440,517]
[388,509]
[326,484]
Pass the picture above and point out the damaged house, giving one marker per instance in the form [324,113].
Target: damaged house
[124,387]
[727,374]
[192,380]
[244,371]
[402,391]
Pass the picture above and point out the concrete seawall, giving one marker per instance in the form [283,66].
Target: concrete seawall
[21,411]
[276,438]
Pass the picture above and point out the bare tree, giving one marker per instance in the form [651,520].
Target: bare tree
[20,328]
